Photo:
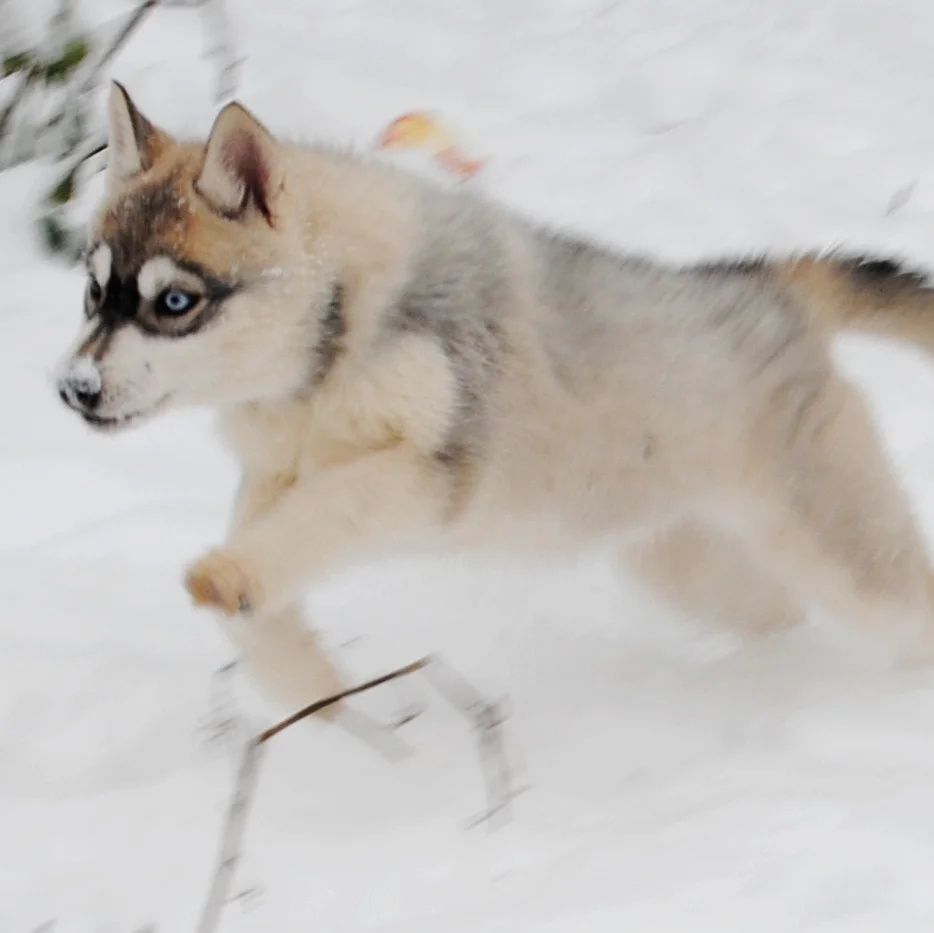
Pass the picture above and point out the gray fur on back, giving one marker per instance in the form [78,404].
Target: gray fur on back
[458,292]
[604,321]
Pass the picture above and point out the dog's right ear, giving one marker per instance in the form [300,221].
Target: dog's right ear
[133,143]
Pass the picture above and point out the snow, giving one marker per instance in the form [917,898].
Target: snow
[680,779]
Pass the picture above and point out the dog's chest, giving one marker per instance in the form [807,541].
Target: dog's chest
[268,439]
[288,439]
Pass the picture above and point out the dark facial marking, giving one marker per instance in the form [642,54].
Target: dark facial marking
[141,220]
[117,307]
[90,340]
[98,341]
[141,225]
[121,303]
[214,287]
[162,326]
[103,345]
[213,294]
[121,300]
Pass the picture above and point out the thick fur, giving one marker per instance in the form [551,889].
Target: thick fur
[403,367]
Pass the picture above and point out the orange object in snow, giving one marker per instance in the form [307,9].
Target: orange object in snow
[420,130]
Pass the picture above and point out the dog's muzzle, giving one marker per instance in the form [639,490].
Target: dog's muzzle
[80,386]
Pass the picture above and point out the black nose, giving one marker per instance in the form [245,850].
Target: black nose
[86,399]
[79,393]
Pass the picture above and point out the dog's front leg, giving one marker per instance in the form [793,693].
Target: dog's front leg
[277,649]
[377,501]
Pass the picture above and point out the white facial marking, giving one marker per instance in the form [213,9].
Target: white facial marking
[158,273]
[101,260]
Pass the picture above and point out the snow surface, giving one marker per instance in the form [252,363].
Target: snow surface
[681,780]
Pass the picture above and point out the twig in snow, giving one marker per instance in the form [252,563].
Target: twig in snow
[219,725]
[487,719]
[234,825]
[319,705]
[244,785]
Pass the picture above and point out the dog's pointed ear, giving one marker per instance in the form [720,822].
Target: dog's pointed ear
[133,143]
[242,167]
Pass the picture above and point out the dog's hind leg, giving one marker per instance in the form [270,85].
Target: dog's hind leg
[709,574]
[834,524]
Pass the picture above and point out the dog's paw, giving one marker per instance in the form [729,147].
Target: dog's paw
[220,582]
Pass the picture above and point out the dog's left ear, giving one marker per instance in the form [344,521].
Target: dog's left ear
[242,167]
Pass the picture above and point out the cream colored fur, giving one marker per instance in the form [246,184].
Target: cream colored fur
[695,419]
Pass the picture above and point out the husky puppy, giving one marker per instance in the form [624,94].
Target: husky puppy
[401,367]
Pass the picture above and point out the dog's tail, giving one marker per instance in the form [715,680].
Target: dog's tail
[877,296]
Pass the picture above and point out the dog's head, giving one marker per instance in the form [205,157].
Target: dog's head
[200,287]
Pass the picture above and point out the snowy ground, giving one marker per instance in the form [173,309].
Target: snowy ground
[679,781]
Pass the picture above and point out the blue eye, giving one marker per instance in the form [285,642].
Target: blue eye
[175,301]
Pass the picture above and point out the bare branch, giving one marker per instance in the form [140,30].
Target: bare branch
[118,41]
[487,719]
[319,705]
[244,786]
[221,47]
[73,111]
[234,826]
[26,79]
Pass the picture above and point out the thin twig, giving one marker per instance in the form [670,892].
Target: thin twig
[73,109]
[132,21]
[15,100]
[220,47]
[487,719]
[234,826]
[245,784]
[319,705]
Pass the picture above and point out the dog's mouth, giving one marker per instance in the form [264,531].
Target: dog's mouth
[113,423]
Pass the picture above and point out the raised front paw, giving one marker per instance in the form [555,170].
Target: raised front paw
[219,581]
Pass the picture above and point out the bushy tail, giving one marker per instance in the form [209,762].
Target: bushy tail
[877,296]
